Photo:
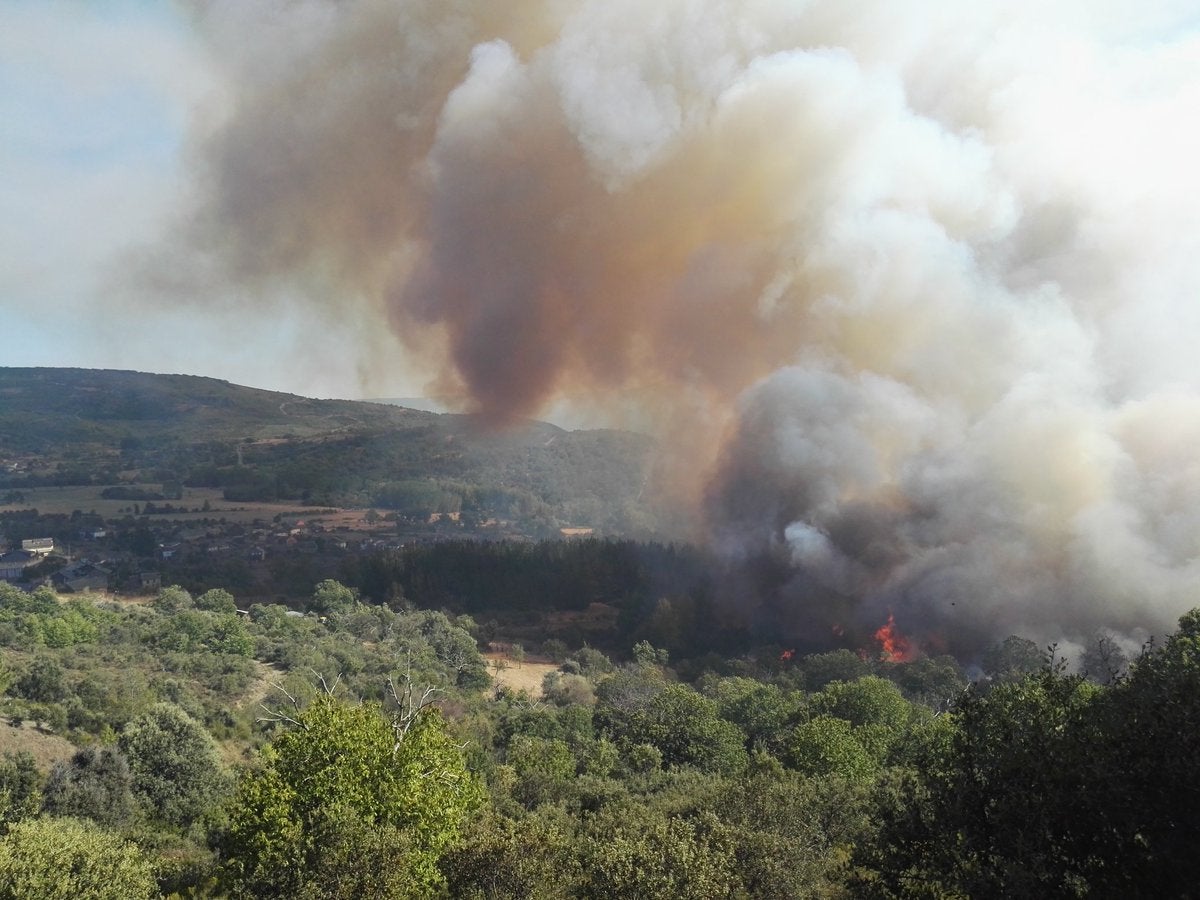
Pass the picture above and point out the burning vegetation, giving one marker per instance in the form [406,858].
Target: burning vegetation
[894,646]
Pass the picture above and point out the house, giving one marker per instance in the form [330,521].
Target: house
[150,581]
[38,546]
[81,576]
[14,564]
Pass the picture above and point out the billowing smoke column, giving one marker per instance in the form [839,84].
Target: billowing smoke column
[921,280]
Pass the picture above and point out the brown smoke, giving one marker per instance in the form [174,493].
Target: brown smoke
[928,275]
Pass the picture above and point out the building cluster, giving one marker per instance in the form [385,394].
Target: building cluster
[102,557]
[140,554]
[23,556]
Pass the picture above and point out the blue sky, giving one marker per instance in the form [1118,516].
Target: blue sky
[95,104]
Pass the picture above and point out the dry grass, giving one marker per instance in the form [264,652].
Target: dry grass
[46,748]
[526,677]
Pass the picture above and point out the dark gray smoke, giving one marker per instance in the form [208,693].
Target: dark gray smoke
[913,287]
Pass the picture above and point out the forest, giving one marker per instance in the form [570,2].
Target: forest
[61,427]
[363,746]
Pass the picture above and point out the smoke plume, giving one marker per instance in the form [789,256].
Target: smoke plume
[915,286]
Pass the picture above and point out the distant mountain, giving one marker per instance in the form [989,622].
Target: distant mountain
[43,408]
[91,426]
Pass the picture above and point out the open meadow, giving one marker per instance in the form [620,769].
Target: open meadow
[194,505]
[527,676]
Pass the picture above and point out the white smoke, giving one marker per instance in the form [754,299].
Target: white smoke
[921,280]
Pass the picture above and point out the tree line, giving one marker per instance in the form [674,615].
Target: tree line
[360,750]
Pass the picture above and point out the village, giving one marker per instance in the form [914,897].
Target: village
[142,546]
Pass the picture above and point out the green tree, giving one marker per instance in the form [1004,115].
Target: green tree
[400,786]
[634,852]
[543,767]
[70,859]
[682,724]
[936,681]
[455,649]
[1104,661]
[644,654]
[791,834]
[172,599]
[1142,745]
[42,682]
[176,772]
[20,787]
[531,858]
[555,650]
[1053,786]
[1013,658]
[227,634]
[997,812]
[66,629]
[332,597]
[217,600]
[565,690]
[838,665]
[94,784]
[827,746]
[195,631]
[542,757]
[762,711]
[866,701]
[592,662]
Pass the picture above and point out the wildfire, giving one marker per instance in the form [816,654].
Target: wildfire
[894,647]
[786,655]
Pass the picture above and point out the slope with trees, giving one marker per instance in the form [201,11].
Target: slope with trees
[362,752]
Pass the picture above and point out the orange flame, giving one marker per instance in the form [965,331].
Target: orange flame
[894,646]
[786,655]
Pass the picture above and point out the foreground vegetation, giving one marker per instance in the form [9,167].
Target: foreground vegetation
[361,751]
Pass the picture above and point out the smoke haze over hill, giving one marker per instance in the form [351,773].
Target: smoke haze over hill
[910,288]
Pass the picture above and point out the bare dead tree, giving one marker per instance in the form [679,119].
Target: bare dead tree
[277,716]
[325,686]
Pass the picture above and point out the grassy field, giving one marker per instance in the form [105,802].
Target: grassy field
[65,500]
[526,677]
[47,749]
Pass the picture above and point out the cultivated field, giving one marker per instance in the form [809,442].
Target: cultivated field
[66,500]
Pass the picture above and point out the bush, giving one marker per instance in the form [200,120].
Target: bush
[69,859]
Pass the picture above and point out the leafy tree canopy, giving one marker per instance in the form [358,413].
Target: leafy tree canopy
[174,763]
[388,789]
[70,859]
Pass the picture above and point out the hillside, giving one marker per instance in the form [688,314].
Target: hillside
[80,426]
[44,409]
